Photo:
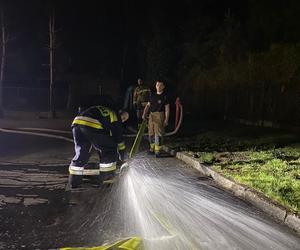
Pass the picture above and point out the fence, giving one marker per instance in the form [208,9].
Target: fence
[33,98]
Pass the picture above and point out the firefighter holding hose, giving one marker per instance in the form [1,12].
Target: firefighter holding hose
[159,107]
[100,127]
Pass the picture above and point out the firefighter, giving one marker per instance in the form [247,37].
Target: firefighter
[98,127]
[158,118]
[141,96]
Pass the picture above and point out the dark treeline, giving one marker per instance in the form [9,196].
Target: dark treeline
[238,59]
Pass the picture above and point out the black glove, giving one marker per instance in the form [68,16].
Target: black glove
[122,155]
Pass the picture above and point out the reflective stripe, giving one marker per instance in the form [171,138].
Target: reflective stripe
[157,148]
[106,167]
[74,170]
[91,172]
[107,112]
[111,181]
[134,243]
[142,91]
[113,117]
[87,121]
[121,146]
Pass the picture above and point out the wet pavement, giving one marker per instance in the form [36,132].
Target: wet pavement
[37,213]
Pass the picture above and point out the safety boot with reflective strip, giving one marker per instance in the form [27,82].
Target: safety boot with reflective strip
[75,181]
[157,151]
[151,150]
[107,172]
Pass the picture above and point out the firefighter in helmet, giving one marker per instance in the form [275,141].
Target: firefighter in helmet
[100,127]
[141,97]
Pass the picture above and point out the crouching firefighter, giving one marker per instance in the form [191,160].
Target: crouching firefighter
[99,127]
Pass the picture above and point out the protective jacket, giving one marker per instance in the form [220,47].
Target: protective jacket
[104,119]
[100,128]
[141,95]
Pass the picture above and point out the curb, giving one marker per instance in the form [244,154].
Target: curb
[260,201]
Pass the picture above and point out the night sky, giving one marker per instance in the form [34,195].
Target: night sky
[94,37]
[104,38]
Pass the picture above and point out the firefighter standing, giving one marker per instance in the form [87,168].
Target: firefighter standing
[141,97]
[98,127]
[158,118]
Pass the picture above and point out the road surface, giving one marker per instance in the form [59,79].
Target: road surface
[168,204]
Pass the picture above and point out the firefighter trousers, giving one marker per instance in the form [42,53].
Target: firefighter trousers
[84,139]
[156,130]
[139,112]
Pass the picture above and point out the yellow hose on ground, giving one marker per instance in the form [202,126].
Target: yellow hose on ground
[133,243]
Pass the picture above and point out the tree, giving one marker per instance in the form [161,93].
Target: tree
[51,59]
[4,40]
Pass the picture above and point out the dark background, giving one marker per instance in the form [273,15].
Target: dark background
[216,55]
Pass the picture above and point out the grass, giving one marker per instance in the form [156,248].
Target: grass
[265,160]
[276,178]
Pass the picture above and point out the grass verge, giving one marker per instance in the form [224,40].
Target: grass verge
[265,160]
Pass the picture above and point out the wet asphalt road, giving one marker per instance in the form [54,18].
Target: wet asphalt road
[37,213]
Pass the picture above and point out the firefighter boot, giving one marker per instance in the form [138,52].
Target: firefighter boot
[107,172]
[75,180]
[95,180]
[107,178]
[151,149]
[157,151]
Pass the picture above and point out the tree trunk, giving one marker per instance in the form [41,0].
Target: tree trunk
[3,57]
[262,103]
[70,96]
[51,57]
[251,105]
[226,104]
